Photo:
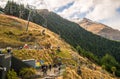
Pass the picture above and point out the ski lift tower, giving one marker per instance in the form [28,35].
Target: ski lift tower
[10,7]
[31,9]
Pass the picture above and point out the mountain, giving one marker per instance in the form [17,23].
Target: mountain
[77,36]
[13,33]
[80,39]
[100,29]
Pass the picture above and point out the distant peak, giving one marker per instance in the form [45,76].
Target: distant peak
[87,20]
[43,11]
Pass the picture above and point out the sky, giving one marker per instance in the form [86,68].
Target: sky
[103,11]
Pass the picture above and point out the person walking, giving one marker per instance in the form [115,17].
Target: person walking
[50,67]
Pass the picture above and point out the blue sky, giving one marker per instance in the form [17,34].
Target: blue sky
[62,8]
[104,11]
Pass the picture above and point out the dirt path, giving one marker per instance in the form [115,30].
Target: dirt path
[53,74]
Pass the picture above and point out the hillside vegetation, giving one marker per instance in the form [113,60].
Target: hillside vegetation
[16,32]
[93,46]
[77,36]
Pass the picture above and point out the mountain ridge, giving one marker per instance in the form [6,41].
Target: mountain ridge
[100,29]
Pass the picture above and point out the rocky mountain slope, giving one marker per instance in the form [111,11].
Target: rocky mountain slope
[100,29]
[12,33]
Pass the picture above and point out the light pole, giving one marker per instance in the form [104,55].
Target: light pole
[28,20]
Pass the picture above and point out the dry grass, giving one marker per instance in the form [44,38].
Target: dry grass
[70,74]
[94,74]
[12,33]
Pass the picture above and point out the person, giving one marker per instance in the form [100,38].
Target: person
[58,49]
[44,70]
[9,50]
[50,67]
[78,70]
[26,46]
[55,65]
[59,69]
[49,45]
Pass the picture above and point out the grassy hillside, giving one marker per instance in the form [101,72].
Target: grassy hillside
[77,36]
[13,34]
[93,46]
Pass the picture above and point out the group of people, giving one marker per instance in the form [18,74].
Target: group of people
[56,67]
[45,68]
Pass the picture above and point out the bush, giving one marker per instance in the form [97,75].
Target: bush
[30,34]
[12,74]
[9,33]
[27,73]
[109,61]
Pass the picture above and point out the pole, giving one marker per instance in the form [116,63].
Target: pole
[30,8]
[28,20]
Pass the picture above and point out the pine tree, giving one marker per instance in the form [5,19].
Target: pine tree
[7,8]
[12,8]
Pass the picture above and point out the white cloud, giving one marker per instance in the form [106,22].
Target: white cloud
[104,9]
[95,9]
[113,22]
[2,3]
[78,7]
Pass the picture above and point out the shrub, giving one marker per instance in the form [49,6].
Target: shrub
[12,74]
[9,33]
[27,73]
[30,34]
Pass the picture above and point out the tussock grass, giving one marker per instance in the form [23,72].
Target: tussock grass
[13,34]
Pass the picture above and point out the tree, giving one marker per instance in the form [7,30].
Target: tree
[12,8]
[7,8]
[109,61]
[103,67]
[113,69]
